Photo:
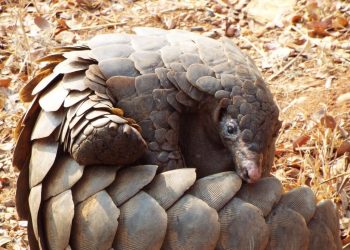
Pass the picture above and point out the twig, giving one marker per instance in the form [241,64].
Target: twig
[36,7]
[335,177]
[21,24]
[23,64]
[289,63]
[98,26]
[306,37]
[262,54]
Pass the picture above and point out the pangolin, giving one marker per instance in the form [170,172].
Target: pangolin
[141,141]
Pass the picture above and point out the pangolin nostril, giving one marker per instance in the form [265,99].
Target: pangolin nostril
[245,174]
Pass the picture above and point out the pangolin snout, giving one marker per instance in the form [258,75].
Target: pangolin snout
[249,165]
[251,171]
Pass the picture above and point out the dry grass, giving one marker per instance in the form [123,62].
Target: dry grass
[307,83]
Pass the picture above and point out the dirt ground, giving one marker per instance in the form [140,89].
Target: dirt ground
[302,48]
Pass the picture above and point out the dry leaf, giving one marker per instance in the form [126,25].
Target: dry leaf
[231,31]
[23,77]
[219,9]
[61,26]
[313,10]
[281,150]
[319,28]
[42,23]
[297,19]
[5,83]
[66,37]
[4,182]
[2,101]
[339,22]
[328,122]
[300,141]
[343,148]
[299,41]
[267,11]
[90,4]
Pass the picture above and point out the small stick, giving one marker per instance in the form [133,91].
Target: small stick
[288,64]
[262,54]
[98,26]
[335,177]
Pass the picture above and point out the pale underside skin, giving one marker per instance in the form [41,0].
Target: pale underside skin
[112,125]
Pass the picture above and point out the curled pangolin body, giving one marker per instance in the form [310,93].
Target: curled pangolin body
[113,123]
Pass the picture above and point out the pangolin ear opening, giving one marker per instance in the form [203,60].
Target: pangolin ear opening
[220,109]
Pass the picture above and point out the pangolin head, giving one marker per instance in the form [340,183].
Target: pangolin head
[248,125]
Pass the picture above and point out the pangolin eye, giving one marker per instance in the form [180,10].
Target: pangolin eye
[231,129]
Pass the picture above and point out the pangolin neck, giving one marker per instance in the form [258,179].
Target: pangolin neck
[200,143]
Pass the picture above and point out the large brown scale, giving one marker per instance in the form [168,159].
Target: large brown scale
[142,141]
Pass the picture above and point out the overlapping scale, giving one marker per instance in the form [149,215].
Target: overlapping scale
[192,224]
[34,200]
[74,81]
[288,230]
[146,61]
[94,179]
[52,99]
[58,215]
[46,123]
[46,82]
[43,155]
[242,226]
[95,223]
[146,83]
[121,190]
[70,66]
[106,142]
[169,186]
[142,224]
[216,190]
[65,173]
[118,67]
[22,203]
[301,200]
[196,71]
[321,237]
[22,151]
[76,96]
[326,214]
[26,92]
[107,39]
[263,194]
[148,42]
[113,50]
